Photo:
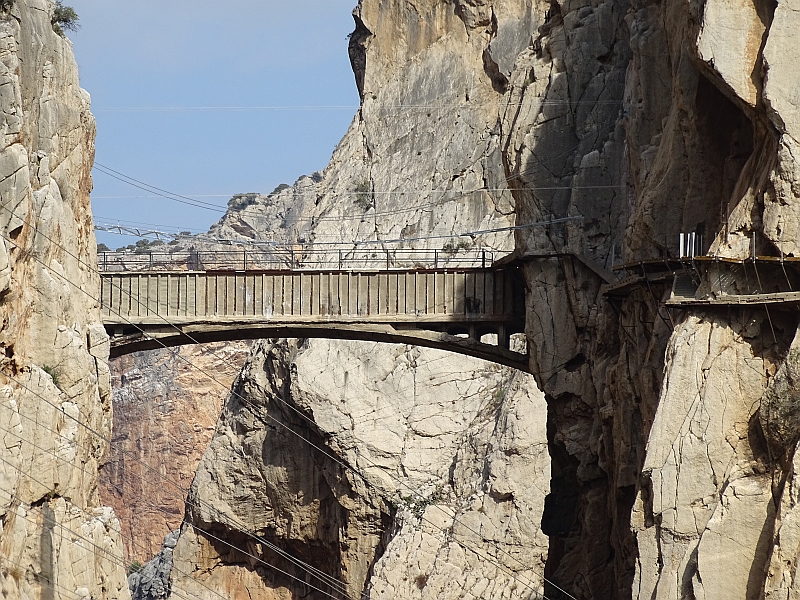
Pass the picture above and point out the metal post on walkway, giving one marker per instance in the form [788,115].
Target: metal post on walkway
[340,260]
[291,259]
[244,259]
[435,259]
[151,261]
[387,258]
[483,259]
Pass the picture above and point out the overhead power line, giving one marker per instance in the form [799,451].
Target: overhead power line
[158,234]
[73,465]
[335,584]
[338,107]
[345,465]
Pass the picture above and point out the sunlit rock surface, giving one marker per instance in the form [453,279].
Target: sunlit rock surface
[164,416]
[55,539]
[670,475]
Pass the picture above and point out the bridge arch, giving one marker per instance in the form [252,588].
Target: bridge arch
[449,309]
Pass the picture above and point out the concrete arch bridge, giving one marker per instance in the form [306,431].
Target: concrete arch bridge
[460,301]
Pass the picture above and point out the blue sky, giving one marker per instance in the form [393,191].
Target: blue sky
[149,64]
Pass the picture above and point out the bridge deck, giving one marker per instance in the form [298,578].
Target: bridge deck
[430,307]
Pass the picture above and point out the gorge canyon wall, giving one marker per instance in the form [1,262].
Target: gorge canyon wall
[55,390]
[643,120]
[671,433]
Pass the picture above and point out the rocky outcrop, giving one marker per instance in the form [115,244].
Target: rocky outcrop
[671,432]
[454,467]
[164,417]
[55,393]
[449,471]
[151,582]
[669,117]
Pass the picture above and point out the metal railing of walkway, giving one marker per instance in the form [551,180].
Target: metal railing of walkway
[295,259]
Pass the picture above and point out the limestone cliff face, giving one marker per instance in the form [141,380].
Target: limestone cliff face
[670,117]
[467,436]
[452,450]
[54,380]
[164,416]
[672,433]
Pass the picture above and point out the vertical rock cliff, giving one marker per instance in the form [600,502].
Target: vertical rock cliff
[54,381]
[671,432]
[164,416]
[670,117]
[397,471]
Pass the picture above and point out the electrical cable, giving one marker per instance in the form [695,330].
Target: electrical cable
[46,584]
[353,217]
[195,203]
[339,461]
[112,558]
[250,242]
[179,197]
[501,105]
[514,575]
[332,581]
[337,585]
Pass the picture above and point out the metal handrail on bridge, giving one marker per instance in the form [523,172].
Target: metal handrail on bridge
[295,259]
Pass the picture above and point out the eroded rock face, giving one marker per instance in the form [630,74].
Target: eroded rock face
[164,417]
[54,378]
[677,492]
[637,120]
[453,456]
[452,450]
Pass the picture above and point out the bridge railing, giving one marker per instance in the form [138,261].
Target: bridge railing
[296,259]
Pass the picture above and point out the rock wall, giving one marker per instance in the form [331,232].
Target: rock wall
[450,452]
[466,435]
[54,379]
[671,117]
[164,417]
[671,432]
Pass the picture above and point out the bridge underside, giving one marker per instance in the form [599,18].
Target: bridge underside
[451,337]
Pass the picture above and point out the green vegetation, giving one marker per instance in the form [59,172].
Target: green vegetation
[498,395]
[241,201]
[135,567]
[421,580]
[461,246]
[363,195]
[279,189]
[418,504]
[53,375]
[103,248]
[142,246]
[779,413]
[64,19]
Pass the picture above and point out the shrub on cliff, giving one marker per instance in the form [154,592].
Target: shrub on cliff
[363,195]
[779,412]
[64,19]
